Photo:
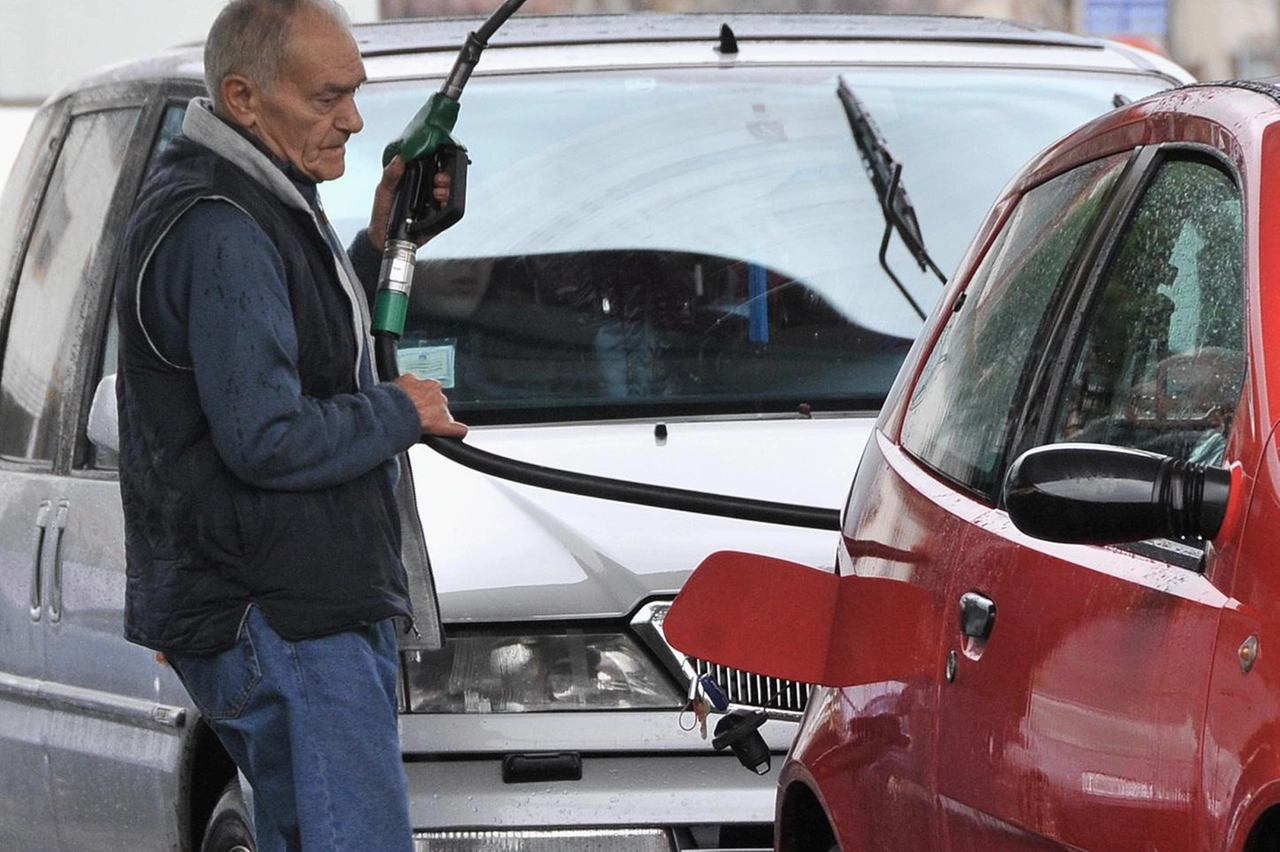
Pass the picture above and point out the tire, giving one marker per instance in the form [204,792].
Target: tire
[230,829]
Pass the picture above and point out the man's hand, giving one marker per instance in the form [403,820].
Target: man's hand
[385,194]
[433,409]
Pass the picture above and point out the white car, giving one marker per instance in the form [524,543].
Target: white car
[675,267]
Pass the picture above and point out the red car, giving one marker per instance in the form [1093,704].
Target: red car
[1055,618]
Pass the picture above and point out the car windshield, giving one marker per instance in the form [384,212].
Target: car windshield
[692,241]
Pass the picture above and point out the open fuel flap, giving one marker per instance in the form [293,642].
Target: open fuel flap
[782,619]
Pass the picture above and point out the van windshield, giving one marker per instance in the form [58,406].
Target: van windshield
[698,240]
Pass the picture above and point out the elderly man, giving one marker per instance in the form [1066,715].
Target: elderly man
[258,453]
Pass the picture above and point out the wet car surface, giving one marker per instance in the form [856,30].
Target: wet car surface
[669,271]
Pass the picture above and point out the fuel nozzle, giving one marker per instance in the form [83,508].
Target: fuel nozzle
[428,148]
[415,214]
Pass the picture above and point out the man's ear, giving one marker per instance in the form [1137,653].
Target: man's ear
[239,100]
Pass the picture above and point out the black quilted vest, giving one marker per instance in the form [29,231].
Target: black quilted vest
[201,545]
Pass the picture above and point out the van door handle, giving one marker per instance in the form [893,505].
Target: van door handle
[55,561]
[977,615]
[37,559]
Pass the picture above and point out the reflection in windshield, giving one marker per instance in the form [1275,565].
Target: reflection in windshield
[662,241]
[634,328]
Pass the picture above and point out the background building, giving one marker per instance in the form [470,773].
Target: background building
[45,44]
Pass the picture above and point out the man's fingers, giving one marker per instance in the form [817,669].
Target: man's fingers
[440,187]
[393,172]
[433,408]
[383,197]
[450,429]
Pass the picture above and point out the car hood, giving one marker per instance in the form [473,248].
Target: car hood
[501,551]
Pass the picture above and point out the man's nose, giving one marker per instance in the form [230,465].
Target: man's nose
[349,119]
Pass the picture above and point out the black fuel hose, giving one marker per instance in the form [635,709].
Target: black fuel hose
[588,485]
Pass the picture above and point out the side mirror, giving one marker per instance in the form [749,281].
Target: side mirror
[104,418]
[1098,494]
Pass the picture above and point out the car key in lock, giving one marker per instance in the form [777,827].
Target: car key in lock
[713,692]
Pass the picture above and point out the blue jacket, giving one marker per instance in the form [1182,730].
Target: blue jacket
[257,458]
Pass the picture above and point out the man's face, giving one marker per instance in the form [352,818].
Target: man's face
[308,115]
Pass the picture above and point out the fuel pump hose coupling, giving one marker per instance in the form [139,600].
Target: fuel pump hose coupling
[391,304]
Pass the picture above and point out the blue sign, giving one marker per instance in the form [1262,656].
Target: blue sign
[1117,17]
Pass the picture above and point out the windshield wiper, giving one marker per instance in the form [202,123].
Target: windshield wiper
[885,174]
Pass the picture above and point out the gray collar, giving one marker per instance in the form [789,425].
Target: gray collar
[203,126]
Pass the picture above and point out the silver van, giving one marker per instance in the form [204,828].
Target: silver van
[696,250]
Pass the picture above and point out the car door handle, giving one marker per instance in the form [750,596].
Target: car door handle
[977,615]
[37,558]
[55,561]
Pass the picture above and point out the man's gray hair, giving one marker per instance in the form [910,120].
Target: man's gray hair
[251,38]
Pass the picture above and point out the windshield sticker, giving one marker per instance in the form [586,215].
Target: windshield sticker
[429,359]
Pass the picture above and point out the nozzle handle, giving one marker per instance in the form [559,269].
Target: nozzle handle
[427,216]
[431,126]
[415,216]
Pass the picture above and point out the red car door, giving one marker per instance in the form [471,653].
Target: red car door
[1073,713]
[1077,723]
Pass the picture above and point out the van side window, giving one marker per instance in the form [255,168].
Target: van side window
[14,199]
[170,126]
[44,332]
[1162,360]
[963,407]
[103,457]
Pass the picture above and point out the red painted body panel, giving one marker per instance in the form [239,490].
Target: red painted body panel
[1241,765]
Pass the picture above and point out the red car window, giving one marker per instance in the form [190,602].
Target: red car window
[1163,358]
[961,412]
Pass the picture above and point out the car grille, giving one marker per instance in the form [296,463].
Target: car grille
[778,697]
[753,690]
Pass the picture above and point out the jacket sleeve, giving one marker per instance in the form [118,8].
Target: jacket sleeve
[367,262]
[226,280]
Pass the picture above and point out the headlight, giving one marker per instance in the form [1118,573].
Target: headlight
[535,672]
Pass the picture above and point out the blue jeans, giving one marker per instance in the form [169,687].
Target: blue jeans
[313,725]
